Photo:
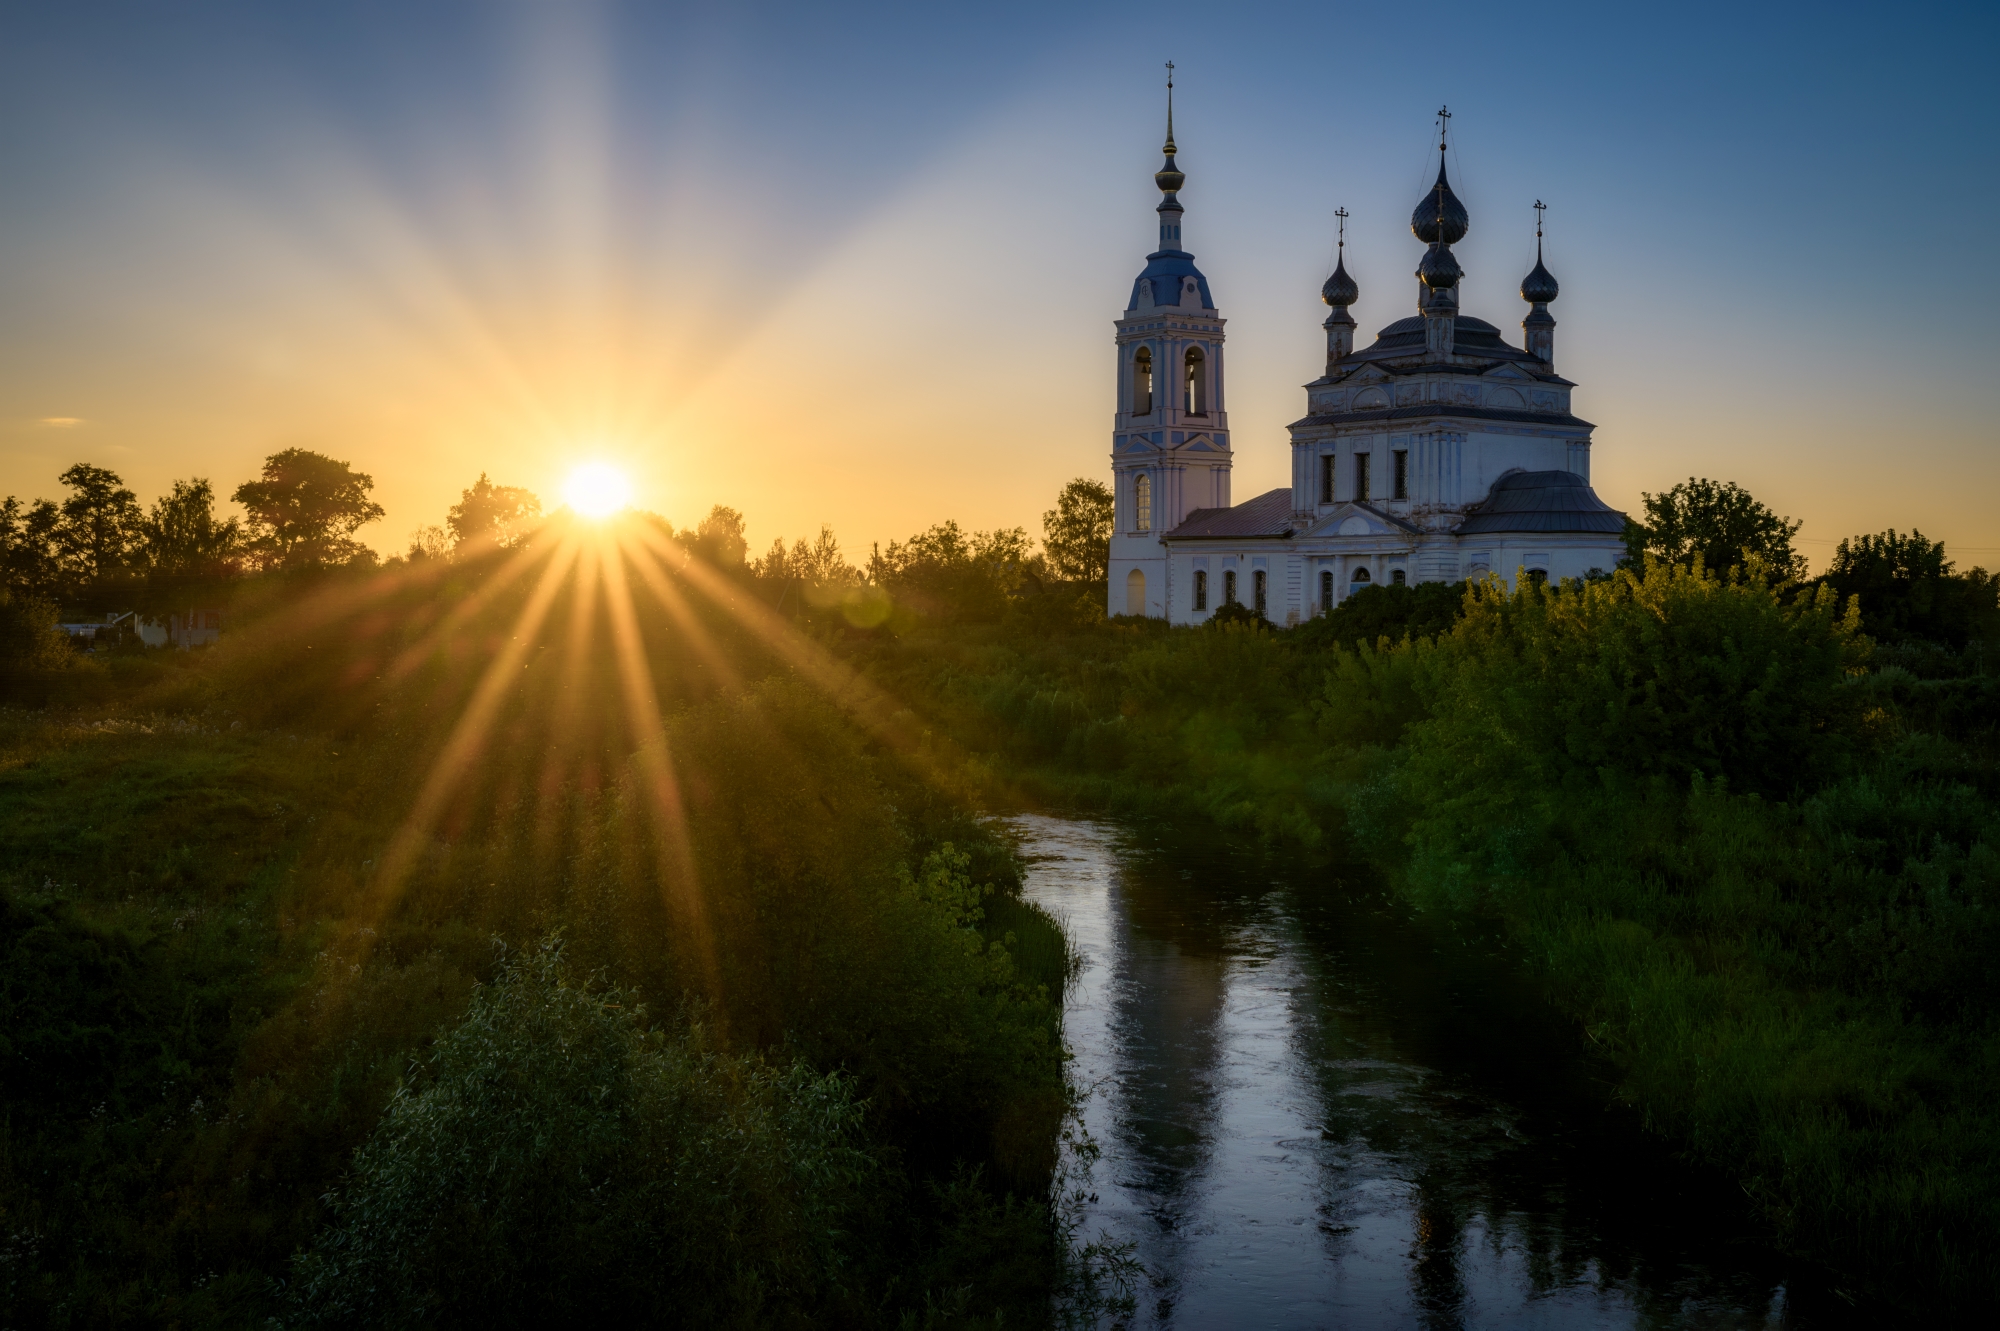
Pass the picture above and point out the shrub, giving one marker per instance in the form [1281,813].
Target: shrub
[553,1159]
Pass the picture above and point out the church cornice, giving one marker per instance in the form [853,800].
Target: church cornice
[1442,411]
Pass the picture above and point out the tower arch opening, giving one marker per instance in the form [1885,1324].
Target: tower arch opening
[1135,592]
[1195,375]
[1142,382]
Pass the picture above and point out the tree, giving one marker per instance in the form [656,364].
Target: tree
[29,637]
[818,563]
[182,537]
[29,561]
[100,529]
[1908,589]
[956,574]
[494,514]
[306,508]
[1717,521]
[719,539]
[1077,532]
[432,542]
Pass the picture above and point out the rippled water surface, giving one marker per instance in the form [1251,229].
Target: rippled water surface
[1313,1113]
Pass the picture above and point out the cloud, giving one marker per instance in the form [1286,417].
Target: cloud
[61,422]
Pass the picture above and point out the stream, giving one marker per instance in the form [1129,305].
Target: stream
[1313,1112]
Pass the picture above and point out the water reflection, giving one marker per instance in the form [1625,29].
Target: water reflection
[1313,1113]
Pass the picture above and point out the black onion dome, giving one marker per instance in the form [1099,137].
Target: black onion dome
[1424,220]
[1340,289]
[1539,287]
[1169,177]
[1439,271]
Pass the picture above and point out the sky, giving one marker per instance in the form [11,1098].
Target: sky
[858,264]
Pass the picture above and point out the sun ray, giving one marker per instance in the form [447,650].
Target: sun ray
[518,563]
[467,738]
[660,583]
[679,879]
[875,711]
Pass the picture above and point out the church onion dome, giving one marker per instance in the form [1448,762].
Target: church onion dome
[1169,177]
[1440,202]
[1439,271]
[1542,501]
[1539,287]
[1340,290]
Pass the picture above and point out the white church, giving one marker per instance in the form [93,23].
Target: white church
[1440,452]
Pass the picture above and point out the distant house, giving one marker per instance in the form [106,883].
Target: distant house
[196,628]
[108,630]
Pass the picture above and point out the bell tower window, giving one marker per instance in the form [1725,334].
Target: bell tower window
[1402,475]
[1361,475]
[1142,382]
[1142,502]
[1197,383]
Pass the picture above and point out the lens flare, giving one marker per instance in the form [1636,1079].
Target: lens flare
[597,490]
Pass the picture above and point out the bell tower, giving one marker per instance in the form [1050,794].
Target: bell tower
[1170,436]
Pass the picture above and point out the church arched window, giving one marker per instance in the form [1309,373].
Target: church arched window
[1197,383]
[1142,502]
[1135,593]
[1361,576]
[1142,382]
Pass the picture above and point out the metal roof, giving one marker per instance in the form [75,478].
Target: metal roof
[1542,501]
[1269,514]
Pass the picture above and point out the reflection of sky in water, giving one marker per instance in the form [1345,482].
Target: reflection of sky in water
[1313,1114]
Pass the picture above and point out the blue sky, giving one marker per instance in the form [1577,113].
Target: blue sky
[859,264]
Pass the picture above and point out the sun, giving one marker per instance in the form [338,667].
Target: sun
[597,490]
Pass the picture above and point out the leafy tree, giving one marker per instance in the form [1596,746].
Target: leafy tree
[1238,614]
[495,514]
[432,542]
[29,560]
[1718,522]
[1077,532]
[182,537]
[29,638]
[1909,591]
[719,538]
[557,1158]
[1386,610]
[306,508]
[818,563]
[101,527]
[952,573]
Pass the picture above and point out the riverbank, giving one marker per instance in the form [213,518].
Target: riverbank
[1748,857]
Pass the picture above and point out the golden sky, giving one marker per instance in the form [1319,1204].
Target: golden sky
[868,277]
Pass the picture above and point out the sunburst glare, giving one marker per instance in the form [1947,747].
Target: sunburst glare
[597,490]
